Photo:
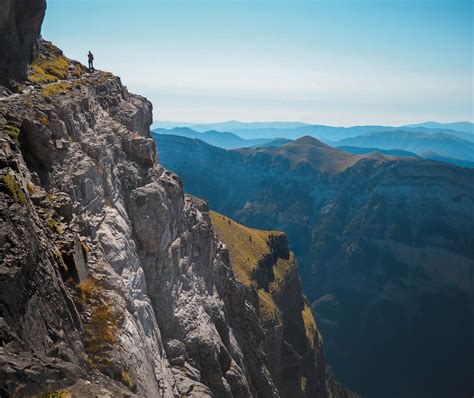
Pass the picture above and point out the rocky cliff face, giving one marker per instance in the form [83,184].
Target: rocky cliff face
[112,281]
[20,24]
[385,246]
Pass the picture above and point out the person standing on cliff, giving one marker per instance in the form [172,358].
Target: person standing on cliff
[90,56]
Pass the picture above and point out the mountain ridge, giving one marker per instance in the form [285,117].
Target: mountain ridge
[386,237]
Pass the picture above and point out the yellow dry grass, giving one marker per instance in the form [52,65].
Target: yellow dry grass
[280,271]
[56,394]
[16,192]
[101,328]
[49,69]
[269,312]
[246,245]
[309,324]
[55,89]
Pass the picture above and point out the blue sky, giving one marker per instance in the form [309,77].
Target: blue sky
[329,62]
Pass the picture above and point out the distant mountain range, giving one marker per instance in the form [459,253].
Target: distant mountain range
[250,126]
[466,127]
[221,139]
[385,247]
[294,130]
[421,143]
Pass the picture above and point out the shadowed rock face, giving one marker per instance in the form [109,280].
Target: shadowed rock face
[385,246]
[20,24]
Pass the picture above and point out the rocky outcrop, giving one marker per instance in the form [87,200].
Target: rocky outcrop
[293,346]
[20,24]
[385,248]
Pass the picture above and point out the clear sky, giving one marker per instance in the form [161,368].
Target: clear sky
[338,62]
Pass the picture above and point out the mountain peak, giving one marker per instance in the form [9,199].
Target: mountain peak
[307,140]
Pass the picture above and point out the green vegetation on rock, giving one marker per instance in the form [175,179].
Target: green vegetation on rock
[13,132]
[55,89]
[49,68]
[309,324]
[56,394]
[101,327]
[14,188]
[269,312]
[246,246]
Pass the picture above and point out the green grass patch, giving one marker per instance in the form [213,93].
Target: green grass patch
[12,131]
[55,89]
[14,188]
[247,246]
[53,225]
[49,69]
[309,324]
[280,270]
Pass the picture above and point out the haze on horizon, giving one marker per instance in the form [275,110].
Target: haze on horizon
[325,62]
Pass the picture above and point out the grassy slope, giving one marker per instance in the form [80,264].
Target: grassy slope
[246,247]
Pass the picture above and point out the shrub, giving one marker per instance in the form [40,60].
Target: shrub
[280,270]
[303,381]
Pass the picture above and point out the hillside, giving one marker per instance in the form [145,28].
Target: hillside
[309,152]
[360,151]
[384,245]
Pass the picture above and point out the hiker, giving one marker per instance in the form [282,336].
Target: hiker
[90,56]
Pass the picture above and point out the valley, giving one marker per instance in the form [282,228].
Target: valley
[384,244]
